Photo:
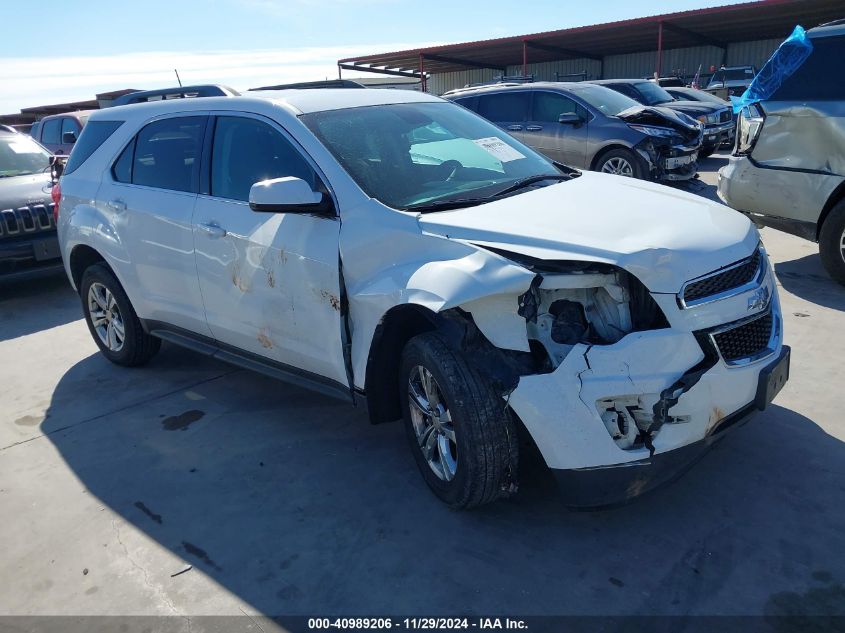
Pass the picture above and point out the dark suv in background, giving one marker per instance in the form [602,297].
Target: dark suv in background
[58,132]
[717,119]
[27,227]
[591,127]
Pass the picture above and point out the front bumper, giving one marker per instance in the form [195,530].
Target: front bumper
[562,410]
[606,486]
[715,135]
[24,255]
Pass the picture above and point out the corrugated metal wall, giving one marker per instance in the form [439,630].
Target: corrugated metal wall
[632,65]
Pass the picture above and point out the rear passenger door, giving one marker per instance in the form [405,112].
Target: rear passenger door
[508,110]
[270,281]
[563,142]
[150,193]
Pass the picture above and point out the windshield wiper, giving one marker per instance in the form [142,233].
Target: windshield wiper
[445,205]
[527,182]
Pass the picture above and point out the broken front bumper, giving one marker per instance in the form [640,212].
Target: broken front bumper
[563,410]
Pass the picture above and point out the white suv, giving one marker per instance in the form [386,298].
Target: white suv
[400,252]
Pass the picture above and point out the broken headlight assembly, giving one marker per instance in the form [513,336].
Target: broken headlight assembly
[653,130]
[750,124]
[571,303]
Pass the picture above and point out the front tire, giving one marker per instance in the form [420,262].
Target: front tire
[620,162]
[832,243]
[461,434]
[112,321]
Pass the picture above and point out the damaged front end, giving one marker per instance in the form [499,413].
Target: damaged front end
[671,144]
[617,400]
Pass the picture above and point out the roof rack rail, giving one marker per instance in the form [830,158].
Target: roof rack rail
[178,92]
[307,85]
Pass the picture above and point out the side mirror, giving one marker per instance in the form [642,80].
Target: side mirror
[68,138]
[287,195]
[570,118]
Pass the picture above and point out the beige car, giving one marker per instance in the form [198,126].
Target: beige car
[788,166]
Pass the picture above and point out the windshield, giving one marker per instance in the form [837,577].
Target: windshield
[652,93]
[732,74]
[410,154]
[21,156]
[608,101]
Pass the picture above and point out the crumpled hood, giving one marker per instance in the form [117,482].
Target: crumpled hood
[662,236]
[658,115]
[695,108]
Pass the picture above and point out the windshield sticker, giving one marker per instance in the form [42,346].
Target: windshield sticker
[495,146]
[24,148]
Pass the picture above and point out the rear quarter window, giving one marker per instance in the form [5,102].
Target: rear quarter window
[93,136]
[819,78]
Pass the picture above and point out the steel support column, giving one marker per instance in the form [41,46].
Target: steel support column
[659,47]
[524,59]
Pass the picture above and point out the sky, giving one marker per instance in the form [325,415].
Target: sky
[58,50]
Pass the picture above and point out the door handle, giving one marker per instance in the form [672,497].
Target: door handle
[117,205]
[534,128]
[514,128]
[212,230]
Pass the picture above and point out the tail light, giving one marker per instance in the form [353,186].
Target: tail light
[56,195]
[750,123]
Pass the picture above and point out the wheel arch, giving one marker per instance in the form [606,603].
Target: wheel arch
[835,198]
[398,325]
[609,148]
[81,258]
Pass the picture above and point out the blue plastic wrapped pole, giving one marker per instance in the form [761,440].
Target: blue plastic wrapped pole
[788,57]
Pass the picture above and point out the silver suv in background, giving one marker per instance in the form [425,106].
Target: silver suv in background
[591,127]
[788,166]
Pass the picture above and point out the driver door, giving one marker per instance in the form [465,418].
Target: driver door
[270,282]
[565,143]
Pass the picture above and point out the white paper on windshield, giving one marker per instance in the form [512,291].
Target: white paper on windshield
[23,147]
[495,146]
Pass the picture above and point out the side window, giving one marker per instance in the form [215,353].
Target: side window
[246,151]
[94,135]
[469,102]
[819,77]
[70,125]
[51,132]
[167,154]
[122,168]
[505,106]
[548,106]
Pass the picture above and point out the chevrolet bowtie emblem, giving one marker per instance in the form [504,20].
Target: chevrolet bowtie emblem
[760,299]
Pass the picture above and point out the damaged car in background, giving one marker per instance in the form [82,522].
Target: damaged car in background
[787,170]
[398,251]
[591,127]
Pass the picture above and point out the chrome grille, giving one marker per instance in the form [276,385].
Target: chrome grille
[25,220]
[724,116]
[747,341]
[734,276]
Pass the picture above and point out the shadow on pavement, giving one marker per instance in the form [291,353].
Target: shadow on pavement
[35,304]
[701,186]
[806,278]
[297,505]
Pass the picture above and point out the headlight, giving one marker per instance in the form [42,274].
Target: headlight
[702,118]
[651,130]
[713,118]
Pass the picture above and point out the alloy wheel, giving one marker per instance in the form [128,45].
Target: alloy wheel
[618,166]
[105,317]
[432,423]
[842,246]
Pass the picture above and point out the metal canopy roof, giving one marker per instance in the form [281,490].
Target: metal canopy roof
[716,26]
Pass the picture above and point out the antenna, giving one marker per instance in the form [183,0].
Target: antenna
[177,77]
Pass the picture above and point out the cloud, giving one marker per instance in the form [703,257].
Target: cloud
[34,81]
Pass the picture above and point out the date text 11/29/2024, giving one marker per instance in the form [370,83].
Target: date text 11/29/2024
[422,623]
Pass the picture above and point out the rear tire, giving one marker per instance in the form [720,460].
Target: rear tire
[621,162]
[466,447]
[112,321]
[832,243]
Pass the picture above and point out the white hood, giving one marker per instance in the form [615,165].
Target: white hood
[662,236]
